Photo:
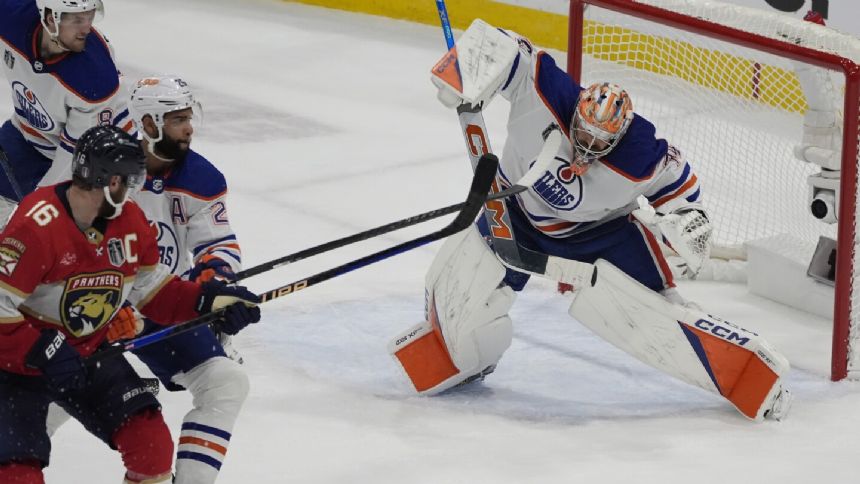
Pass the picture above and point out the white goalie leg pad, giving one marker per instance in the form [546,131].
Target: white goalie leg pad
[686,343]
[485,56]
[467,328]
[219,387]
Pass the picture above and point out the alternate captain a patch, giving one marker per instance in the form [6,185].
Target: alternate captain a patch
[90,300]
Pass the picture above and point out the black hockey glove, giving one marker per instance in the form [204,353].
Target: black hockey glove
[239,304]
[59,362]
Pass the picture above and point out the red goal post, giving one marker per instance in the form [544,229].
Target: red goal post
[734,63]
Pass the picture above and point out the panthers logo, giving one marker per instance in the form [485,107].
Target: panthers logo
[90,301]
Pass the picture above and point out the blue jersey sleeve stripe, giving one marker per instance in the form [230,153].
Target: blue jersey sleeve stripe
[68,138]
[120,117]
[695,196]
[513,71]
[67,147]
[225,253]
[200,248]
[673,186]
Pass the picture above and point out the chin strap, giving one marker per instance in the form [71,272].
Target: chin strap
[116,205]
[150,145]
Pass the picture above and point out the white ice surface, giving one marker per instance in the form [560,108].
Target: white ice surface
[326,124]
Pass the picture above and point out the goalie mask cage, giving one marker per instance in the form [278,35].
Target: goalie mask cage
[719,82]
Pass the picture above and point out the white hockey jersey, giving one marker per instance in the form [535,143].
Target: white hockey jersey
[189,208]
[56,101]
[562,204]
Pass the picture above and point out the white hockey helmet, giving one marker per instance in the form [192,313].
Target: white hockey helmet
[155,97]
[59,7]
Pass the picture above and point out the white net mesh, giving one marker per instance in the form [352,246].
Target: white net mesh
[736,113]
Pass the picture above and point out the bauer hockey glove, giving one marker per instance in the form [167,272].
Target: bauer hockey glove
[211,267]
[239,304]
[126,324]
[59,362]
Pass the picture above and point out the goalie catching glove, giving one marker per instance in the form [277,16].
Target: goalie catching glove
[686,229]
[474,70]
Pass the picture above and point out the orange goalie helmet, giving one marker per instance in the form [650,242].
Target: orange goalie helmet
[603,113]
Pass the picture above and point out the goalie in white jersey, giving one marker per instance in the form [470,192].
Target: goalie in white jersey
[583,213]
[63,81]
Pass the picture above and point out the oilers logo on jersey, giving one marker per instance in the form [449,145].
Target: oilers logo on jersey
[562,191]
[90,300]
[168,246]
[30,108]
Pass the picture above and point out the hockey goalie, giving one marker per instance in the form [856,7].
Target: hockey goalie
[583,218]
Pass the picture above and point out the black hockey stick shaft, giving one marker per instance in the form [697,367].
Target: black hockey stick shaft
[481,182]
[368,234]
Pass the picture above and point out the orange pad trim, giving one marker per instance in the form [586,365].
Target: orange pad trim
[426,359]
[448,70]
[740,376]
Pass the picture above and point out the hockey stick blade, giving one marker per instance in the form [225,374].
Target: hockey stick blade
[481,182]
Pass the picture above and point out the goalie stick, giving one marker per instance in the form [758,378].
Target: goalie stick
[484,175]
[477,142]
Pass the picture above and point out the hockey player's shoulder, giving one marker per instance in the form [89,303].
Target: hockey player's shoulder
[556,89]
[40,213]
[638,153]
[198,178]
[92,74]
[18,24]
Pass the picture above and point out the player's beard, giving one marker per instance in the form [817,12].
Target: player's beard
[171,149]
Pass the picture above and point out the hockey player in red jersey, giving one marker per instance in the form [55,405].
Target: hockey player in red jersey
[69,258]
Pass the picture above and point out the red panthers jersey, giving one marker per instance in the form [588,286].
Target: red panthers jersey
[54,275]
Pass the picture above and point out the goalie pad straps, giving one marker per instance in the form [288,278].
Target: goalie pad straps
[688,344]
[485,56]
[467,327]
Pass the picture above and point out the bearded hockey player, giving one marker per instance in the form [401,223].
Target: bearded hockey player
[68,259]
[63,81]
[583,216]
[185,198]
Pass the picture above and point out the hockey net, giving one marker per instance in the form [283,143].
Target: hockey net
[721,83]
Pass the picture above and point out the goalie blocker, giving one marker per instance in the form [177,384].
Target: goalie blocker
[467,330]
